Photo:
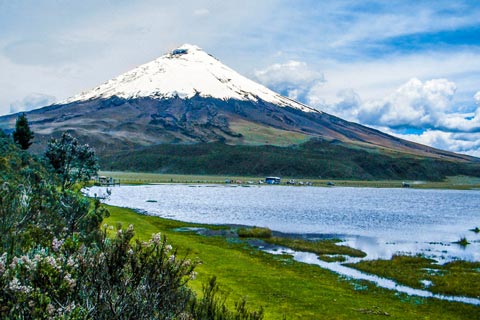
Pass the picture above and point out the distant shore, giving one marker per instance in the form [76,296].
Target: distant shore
[453,182]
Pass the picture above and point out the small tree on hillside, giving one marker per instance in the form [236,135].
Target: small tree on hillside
[22,135]
[72,161]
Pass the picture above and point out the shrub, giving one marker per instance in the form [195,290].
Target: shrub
[255,232]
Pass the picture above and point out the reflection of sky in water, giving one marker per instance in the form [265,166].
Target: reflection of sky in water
[378,221]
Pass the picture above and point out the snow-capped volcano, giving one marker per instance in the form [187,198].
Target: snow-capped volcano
[185,72]
[187,97]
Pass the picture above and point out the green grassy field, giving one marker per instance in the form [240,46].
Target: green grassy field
[283,287]
[455,182]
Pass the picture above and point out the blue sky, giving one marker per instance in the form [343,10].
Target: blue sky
[410,68]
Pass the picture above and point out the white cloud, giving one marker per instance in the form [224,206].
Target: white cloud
[32,101]
[295,78]
[375,78]
[476,97]
[415,104]
[466,143]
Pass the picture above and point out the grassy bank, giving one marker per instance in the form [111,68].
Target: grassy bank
[453,182]
[282,286]
[459,278]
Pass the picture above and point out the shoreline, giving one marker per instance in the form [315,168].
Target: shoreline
[135,178]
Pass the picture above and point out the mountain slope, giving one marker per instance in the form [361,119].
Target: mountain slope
[188,97]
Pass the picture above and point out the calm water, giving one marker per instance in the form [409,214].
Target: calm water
[380,222]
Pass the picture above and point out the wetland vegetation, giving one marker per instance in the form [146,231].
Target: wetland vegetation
[282,286]
[461,278]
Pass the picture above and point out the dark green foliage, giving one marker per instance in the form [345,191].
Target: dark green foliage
[71,161]
[462,242]
[124,280]
[213,306]
[254,232]
[314,159]
[3,134]
[22,135]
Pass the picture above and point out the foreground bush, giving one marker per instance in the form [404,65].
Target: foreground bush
[116,280]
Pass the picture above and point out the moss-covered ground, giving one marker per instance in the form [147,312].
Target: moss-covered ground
[285,288]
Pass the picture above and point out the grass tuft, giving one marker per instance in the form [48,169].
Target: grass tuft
[320,247]
[462,242]
[255,232]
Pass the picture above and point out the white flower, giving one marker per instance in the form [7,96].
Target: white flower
[56,244]
[71,282]
[2,266]
[50,309]
[171,258]
[168,248]
[52,262]
[156,238]
[71,262]
[193,275]
[15,285]
[14,263]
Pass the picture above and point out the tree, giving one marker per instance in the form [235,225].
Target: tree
[22,135]
[71,161]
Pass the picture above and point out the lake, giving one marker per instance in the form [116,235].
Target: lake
[380,222]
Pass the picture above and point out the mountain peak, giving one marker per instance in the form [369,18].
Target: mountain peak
[187,46]
[185,72]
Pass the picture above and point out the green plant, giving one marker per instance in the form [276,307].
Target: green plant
[71,161]
[254,232]
[23,135]
[213,306]
[320,247]
[462,242]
